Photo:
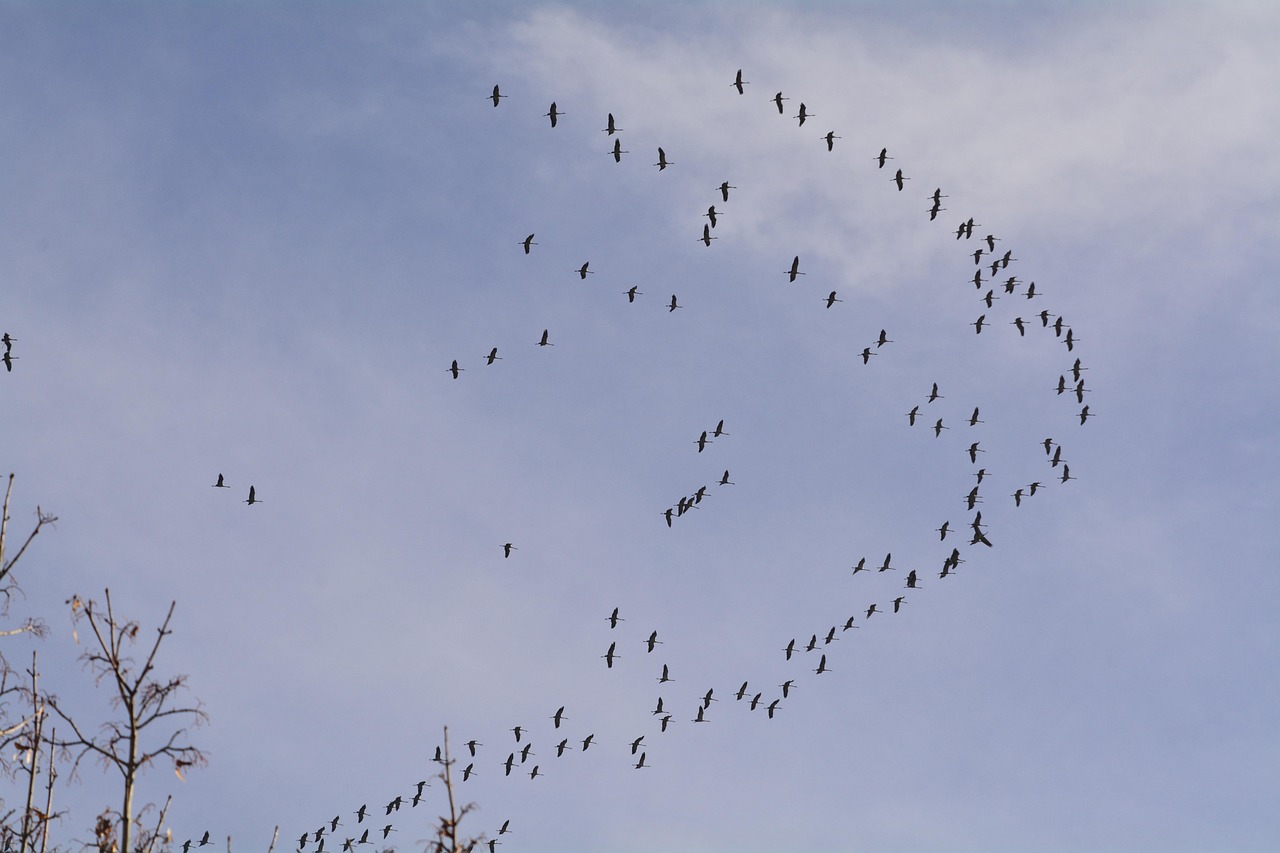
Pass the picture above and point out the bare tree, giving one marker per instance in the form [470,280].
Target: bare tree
[447,840]
[153,725]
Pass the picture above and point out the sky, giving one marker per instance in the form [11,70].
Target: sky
[250,239]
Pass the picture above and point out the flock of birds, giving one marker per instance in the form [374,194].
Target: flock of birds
[555,742]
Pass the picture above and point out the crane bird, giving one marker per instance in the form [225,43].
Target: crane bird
[803,114]
[496,96]
[719,430]
[613,618]
[973,419]
[912,415]
[1075,370]
[8,341]
[898,179]
[666,675]
[897,603]
[544,342]
[1017,498]
[706,237]
[617,151]
[795,269]
[822,666]
[253,497]
[831,138]
[724,190]
[911,580]
[977,324]
[527,242]
[653,641]
[553,114]
[220,484]
[831,299]
[663,162]
[974,450]
[610,655]
[866,355]
[882,340]
[633,292]
[583,271]
[1031,291]
[738,82]
[884,155]
[558,716]
[702,441]
[506,553]
[1022,329]
[700,718]
[790,647]
[742,691]
[990,298]
[946,525]
[885,567]
[640,764]
[612,127]
[938,428]
[492,356]
[1085,414]
[777,100]
[861,567]
[934,395]
[674,305]
[991,241]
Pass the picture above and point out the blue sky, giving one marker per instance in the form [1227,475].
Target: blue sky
[250,239]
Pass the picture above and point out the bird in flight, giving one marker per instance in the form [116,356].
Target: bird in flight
[674,305]
[610,655]
[220,484]
[527,242]
[795,269]
[583,272]
[496,96]
[611,127]
[506,552]
[831,137]
[803,114]
[738,82]
[553,114]
[544,342]
[777,100]
[724,190]
[617,151]
[253,498]
[663,162]
[632,293]
[884,155]
[613,618]
[831,299]
[898,179]
[454,369]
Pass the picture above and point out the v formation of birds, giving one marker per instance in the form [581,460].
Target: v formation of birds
[564,732]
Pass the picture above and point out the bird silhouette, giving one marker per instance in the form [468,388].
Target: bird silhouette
[777,100]
[934,395]
[454,369]
[738,82]
[553,114]
[496,96]
[610,655]
[632,293]
[653,641]
[583,272]
[220,484]
[866,355]
[558,716]
[884,155]
[617,151]
[795,269]
[831,299]
[613,618]
[706,237]
[724,190]
[831,137]
[611,127]
[253,498]
[803,114]
[898,179]
[673,305]
[912,415]
[663,162]
[544,342]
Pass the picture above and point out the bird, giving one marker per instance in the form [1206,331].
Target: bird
[991,241]
[778,99]
[977,324]
[861,567]
[653,641]
[702,441]
[870,610]
[1085,414]
[813,643]
[553,114]
[635,744]
[527,242]
[898,179]
[706,237]
[946,525]
[8,361]
[533,774]
[632,293]
[973,419]
[467,771]
[611,127]
[1031,291]
[912,415]
[506,551]
[657,711]
[220,484]
[738,82]
[972,498]
[454,369]
[911,580]
[882,340]
[1075,370]
[640,764]
[492,356]
[822,666]
[884,155]
[497,96]
[1069,340]
[663,162]
[934,395]
[253,498]
[719,430]
[1017,498]
[700,718]
[789,684]
[712,215]
[617,151]
[980,473]
[558,716]
[897,603]
[974,450]
[1031,487]
[831,137]
[755,701]
[666,675]
[471,747]
[791,647]
[526,752]
[724,190]
[613,618]
[831,299]
[8,341]
[831,636]
[707,699]
[205,838]
[1022,330]
[506,827]
[674,305]
[773,706]
[803,114]
[742,691]
[866,355]
[609,656]
[544,342]
[938,428]
[586,742]
[885,567]
[583,272]
[795,269]
[990,298]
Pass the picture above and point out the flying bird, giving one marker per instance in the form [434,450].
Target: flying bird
[553,114]
[934,395]
[663,162]
[706,237]
[583,272]
[506,552]
[613,618]
[884,155]
[617,151]
[882,340]
[633,293]
[831,137]
[777,100]
[898,179]
[611,127]
[496,96]
[609,656]
[831,299]
[220,484]
[454,369]
[724,190]
[492,356]
[803,114]
[527,242]
[738,82]
[795,269]
[653,641]
[544,342]
[253,499]
[674,305]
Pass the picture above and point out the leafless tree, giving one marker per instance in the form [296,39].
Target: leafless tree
[447,839]
[153,725]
